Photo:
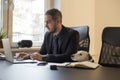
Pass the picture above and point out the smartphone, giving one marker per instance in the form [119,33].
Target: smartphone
[42,64]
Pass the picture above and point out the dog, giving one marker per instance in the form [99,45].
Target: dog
[82,56]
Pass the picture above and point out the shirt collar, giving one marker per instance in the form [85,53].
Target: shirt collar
[61,32]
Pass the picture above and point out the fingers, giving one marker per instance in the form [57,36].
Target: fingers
[18,55]
[33,56]
[22,55]
[36,56]
[27,56]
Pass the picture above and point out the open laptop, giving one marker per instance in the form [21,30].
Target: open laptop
[9,56]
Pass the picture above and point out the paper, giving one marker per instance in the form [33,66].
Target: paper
[84,64]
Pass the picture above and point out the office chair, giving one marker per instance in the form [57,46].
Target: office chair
[84,40]
[110,50]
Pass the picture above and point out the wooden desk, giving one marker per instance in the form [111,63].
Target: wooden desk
[9,71]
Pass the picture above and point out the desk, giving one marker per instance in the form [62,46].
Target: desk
[9,71]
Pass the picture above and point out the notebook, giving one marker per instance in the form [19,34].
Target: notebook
[9,56]
[84,64]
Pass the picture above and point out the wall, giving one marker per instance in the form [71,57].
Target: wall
[79,12]
[107,13]
[95,13]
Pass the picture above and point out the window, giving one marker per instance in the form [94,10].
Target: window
[0,14]
[28,21]
[24,19]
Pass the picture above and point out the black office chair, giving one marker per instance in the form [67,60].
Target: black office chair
[110,50]
[84,40]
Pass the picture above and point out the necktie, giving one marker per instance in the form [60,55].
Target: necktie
[55,44]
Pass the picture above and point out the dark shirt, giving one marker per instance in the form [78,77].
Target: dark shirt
[67,44]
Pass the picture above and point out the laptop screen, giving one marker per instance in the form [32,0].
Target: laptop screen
[7,49]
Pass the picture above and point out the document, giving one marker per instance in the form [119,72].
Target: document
[84,64]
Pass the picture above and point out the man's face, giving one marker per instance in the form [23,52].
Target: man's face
[51,24]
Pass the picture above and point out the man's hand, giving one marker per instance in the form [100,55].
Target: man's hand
[36,56]
[22,55]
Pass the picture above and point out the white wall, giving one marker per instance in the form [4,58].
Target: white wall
[80,12]
[107,13]
[95,13]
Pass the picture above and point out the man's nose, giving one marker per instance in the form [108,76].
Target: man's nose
[46,25]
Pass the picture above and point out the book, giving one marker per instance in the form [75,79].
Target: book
[84,64]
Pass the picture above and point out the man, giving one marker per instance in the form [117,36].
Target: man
[59,43]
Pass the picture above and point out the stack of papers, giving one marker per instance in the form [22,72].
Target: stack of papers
[84,64]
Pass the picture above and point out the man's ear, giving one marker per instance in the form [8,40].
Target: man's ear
[58,21]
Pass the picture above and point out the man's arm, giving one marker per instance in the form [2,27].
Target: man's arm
[43,50]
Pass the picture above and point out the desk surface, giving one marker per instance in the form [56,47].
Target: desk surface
[9,71]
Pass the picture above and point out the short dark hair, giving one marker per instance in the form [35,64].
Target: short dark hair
[55,13]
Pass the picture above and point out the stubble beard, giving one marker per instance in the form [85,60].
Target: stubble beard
[54,29]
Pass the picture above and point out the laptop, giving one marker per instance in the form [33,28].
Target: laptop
[9,56]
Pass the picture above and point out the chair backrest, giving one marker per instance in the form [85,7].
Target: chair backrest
[84,40]
[110,50]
